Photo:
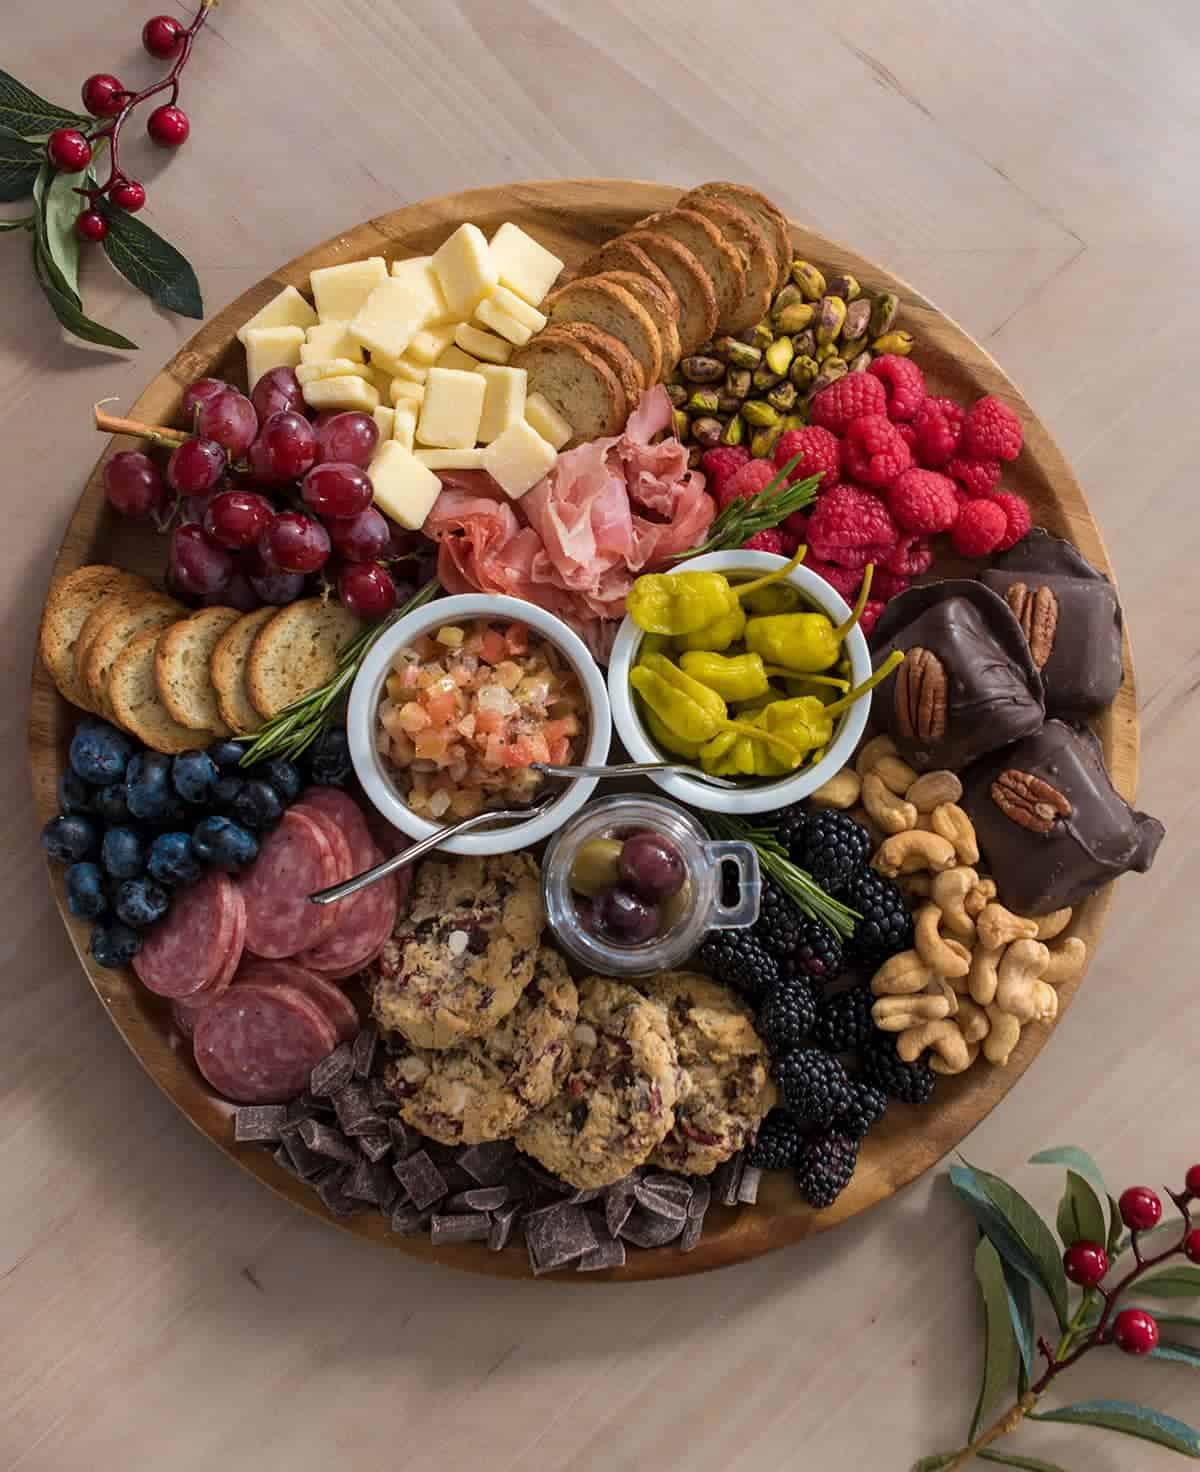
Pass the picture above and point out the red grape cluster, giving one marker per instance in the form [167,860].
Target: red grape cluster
[267,498]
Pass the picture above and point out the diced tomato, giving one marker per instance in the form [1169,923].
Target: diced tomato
[431,745]
[494,752]
[442,708]
[516,639]
[564,726]
[518,753]
[560,750]
[413,717]
[492,648]
[488,722]
[466,727]
[539,747]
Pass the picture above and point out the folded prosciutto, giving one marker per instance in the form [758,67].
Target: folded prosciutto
[609,510]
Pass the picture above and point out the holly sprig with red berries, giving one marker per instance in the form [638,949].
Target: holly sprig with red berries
[1111,1256]
[53,156]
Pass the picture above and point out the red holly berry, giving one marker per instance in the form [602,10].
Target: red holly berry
[103,95]
[1135,1331]
[68,150]
[128,195]
[162,36]
[1191,1245]
[91,225]
[1141,1208]
[168,126]
[1192,1182]
[1085,1263]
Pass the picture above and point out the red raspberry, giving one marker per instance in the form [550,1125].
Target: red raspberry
[844,580]
[819,450]
[909,435]
[873,452]
[858,557]
[848,521]
[746,483]
[771,540]
[912,557]
[791,542]
[992,431]
[980,528]
[977,477]
[722,463]
[1016,509]
[870,615]
[903,382]
[923,501]
[938,427]
[849,398]
[796,525]
[886,584]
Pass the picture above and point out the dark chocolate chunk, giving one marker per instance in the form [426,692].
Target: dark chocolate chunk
[478,1198]
[283,1158]
[689,1238]
[355,1112]
[748,1186]
[556,1236]
[618,1204]
[422,1179]
[407,1221]
[258,1123]
[701,1196]
[609,1252]
[333,1072]
[403,1143]
[374,1183]
[586,1194]
[375,1147]
[335,1197]
[678,1187]
[382,1098]
[447,1229]
[363,1050]
[503,1222]
[669,1207]
[647,1229]
[324,1140]
[307,1162]
[727,1178]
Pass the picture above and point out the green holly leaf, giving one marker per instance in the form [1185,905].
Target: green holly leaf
[1076,1159]
[1020,1235]
[29,116]
[151,263]
[1000,1345]
[1130,1420]
[1179,1354]
[934,1463]
[1179,1321]
[1080,1214]
[1113,1245]
[1020,1313]
[57,248]
[1178,1282]
[1009,1459]
[20,163]
[26,224]
[70,314]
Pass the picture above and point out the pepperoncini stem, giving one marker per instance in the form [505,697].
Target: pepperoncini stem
[793,754]
[741,589]
[781,672]
[896,657]
[859,604]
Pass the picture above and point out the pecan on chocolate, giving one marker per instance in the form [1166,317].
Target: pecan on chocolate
[1029,801]
[1036,610]
[920,696]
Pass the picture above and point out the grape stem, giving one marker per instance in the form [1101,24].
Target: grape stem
[157,434]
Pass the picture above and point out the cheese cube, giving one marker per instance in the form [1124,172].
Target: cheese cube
[454,357]
[451,459]
[335,338]
[381,380]
[342,393]
[429,345]
[418,273]
[404,422]
[271,347]
[484,345]
[402,368]
[464,269]
[451,410]
[499,321]
[545,418]
[341,291]
[522,264]
[519,459]
[403,390]
[390,317]
[385,422]
[405,490]
[510,303]
[329,368]
[504,401]
[288,309]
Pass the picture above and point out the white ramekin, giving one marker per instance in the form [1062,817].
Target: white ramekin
[367,689]
[755,796]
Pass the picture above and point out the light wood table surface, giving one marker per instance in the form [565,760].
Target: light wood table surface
[1031,166]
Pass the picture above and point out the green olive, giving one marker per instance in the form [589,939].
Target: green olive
[596,866]
[672,910]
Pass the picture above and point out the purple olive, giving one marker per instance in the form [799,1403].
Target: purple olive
[625,916]
[652,866]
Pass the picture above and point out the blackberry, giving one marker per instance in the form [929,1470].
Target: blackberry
[886,926]
[813,1084]
[788,1013]
[790,825]
[801,946]
[867,1107]
[911,1083]
[778,1142]
[817,953]
[777,928]
[824,1167]
[843,1022]
[833,848]
[737,958]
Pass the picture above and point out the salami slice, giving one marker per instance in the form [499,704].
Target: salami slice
[187,1009]
[295,859]
[344,811]
[338,840]
[258,1044]
[190,946]
[334,1002]
[364,922]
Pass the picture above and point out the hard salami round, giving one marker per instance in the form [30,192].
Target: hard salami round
[334,1002]
[339,841]
[364,922]
[190,946]
[344,811]
[258,1044]
[186,1009]
[295,859]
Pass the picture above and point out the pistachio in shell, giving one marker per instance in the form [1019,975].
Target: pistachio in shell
[831,317]
[780,354]
[736,354]
[897,341]
[759,414]
[735,431]
[707,431]
[703,401]
[884,310]
[858,316]
[844,286]
[809,279]
[738,382]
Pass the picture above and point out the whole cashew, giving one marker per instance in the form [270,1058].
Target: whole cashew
[950,889]
[1020,967]
[973,1020]
[943,1037]
[902,975]
[888,812]
[933,789]
[983,977]
[898,1014]
[1067,960]
[941,986]
[939,1065]
[996,926]
[983,894]
[841,791]
[1045,999]
[1048,926]
[896,773]
[1002,1037]
[877,747]
[952,823]
[946,957]
[909,853]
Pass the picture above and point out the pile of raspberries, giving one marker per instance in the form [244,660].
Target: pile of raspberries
[897,467]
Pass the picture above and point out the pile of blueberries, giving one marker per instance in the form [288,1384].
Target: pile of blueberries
[136,825]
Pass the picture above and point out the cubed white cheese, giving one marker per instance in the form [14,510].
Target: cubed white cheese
[545,418]
[504,401]
[404,389]
[404,422]
[522,264]
[385,422]
[342,393]
[381,379]
[519,459]
[287,309]
[428,345]
[451,459]
[464,269]
[483,345]
[329,368]
[499,321]
[454,357]
[271,347]
[390,317]
[511,304]
[451,410]
[405,490]
[402,368]
[334,338]
[340,291]
[418,273]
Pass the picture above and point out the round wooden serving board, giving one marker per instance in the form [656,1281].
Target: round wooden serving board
[571,217]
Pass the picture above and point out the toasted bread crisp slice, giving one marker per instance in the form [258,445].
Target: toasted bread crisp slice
[135,702]
[663,307]
[610,348]
[130,616]
[227,670]
[71,600]
[769,218]
[691,282]
[720,259]
[127,588]
[620,254]
[181,669]
[578,382]
[610,307]
[297,651]
[757,252]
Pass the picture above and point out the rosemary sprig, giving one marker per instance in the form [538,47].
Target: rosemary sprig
[797,883]
[742,519]
[298,725]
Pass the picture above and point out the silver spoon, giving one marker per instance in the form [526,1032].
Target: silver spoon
[418,850]
[631,769]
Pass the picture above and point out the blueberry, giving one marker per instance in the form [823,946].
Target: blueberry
[148,786]
[329,758]
[109,804]
[226,791]
[258,805]
[115,944]
[284,777]
[123,853]
[140,902]
[224,844]
[74,795]
[227,754]
[69,838]
[193,774]
[85,891]
[99,752]
[172,860]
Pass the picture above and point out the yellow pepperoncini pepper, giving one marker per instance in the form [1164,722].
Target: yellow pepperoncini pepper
[718,635]
[804,642]
[777,598]
[662,735]
[735,678]
[683,602]
[807,722]
[730,755]
[654,644]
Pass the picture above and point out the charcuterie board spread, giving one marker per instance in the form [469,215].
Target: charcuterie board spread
[396,544]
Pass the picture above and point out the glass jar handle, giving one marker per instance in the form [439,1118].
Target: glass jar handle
[744,858]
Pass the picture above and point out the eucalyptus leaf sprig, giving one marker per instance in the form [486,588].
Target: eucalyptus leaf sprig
[797,883]
[1021,1266]
[742,519]
[298,725]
